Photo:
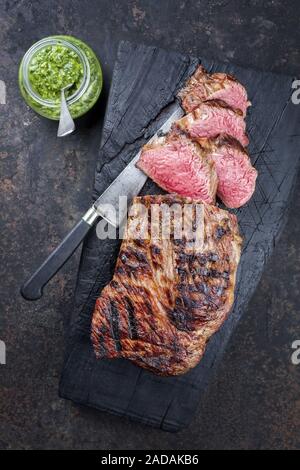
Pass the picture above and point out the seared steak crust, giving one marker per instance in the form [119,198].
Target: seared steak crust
[167,297]
[203,87]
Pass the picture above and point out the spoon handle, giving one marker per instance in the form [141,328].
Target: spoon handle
[66,123]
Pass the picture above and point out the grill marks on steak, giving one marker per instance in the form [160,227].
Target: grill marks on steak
[213,118]
[166,299]
[178,166]
[203,87]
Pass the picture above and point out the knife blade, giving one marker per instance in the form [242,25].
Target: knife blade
[128,184]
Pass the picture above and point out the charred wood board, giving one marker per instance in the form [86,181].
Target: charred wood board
[145,82]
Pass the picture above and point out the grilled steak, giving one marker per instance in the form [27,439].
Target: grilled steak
[178,166]
[168,295]
[202,87]
[212,119]
[236,175]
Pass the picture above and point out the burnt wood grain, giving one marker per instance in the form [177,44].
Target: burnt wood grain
[145,82]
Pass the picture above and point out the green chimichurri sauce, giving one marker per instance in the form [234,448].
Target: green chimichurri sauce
[51,66]
[54,67]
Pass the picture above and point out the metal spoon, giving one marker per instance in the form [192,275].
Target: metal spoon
[66,124]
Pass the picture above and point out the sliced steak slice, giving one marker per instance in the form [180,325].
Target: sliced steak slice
[179,166]
[203,87]
[168,296]
[211,119]
[236,175]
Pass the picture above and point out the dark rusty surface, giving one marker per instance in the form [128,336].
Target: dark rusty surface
[46,184]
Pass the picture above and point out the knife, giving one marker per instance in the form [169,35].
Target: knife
[129,183]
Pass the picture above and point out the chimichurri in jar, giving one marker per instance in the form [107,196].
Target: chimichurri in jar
[53,63]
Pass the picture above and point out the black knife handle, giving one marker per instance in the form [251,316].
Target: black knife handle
[33,288]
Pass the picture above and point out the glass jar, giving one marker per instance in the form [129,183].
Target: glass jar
[79,99]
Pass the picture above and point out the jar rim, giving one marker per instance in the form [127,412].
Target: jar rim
[54,41]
